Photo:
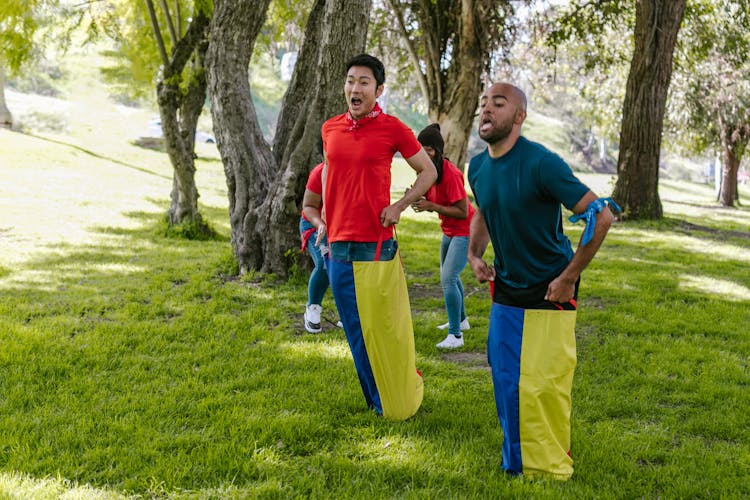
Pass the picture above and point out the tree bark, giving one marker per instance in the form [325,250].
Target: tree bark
[179,110]
[637,187]
[730,165]
[452,93]
[6,118]
[266,184]
[733,143]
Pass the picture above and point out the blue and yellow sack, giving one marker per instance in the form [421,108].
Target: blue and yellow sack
[373,304]
[532,353]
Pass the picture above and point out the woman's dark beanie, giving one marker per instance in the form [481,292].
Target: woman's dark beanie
[430,136]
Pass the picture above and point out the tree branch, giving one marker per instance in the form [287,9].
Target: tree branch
[396,8]
[178,13]
[157,32]
[433,45]
[170,24]
[185,46]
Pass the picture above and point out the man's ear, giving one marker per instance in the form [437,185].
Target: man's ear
[379,90]
[520,117]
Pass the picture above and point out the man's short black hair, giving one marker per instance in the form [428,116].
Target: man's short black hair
[372,62]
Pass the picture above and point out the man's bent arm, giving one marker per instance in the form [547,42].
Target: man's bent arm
[562,288]
[426,177]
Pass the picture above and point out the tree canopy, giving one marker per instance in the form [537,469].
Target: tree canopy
[711,98]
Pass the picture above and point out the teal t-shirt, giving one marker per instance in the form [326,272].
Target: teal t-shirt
[519,196]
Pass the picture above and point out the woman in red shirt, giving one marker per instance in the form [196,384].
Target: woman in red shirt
[318,282]
[447,197]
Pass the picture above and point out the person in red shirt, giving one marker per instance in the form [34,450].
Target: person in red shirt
[447,197]
[359,146]
[318,281]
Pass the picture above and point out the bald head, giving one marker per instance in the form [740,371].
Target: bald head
[510,92]
[502,110]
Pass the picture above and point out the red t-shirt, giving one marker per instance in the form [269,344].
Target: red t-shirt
[451,190]
[315,184]
[358,177]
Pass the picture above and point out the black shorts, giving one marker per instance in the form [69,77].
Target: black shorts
[532,297]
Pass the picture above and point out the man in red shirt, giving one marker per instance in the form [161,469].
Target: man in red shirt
[359,146]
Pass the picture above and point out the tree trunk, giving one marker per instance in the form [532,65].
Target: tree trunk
[463,84]
[730,165]
[331,39]
[656,27]
[452,93]
[733,142]
[266,185]
[179,110]
[6,119]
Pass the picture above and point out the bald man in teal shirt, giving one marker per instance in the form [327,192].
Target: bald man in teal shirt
[520,187]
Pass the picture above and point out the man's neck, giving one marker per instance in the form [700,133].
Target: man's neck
[363,115]
[500,148]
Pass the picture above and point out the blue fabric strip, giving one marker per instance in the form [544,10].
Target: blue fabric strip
[341,276]
[589,214]
[504,355]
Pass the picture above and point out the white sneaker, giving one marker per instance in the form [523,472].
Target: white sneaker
[451,342]
[312,318]
[339,324]
[464,325]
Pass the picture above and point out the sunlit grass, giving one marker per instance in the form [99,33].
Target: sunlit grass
[151,376]
[23,486]
[726,289]
[332,350]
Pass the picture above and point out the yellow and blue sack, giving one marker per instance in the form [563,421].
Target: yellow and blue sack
[373,303]
[532,353]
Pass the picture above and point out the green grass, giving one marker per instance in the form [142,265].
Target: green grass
[137,365]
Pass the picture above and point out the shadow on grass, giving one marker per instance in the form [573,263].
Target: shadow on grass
[712,232]
[101,157]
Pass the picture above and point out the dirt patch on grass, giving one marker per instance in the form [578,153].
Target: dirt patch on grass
[419,291]
[474,360]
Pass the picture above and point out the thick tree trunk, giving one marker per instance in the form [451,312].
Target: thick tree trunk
[455,121]
[246,155]
[656,27]
[456,113]
[452,93]
[314,95]
[265,185]
[6,119]
[179,110]
[464,80]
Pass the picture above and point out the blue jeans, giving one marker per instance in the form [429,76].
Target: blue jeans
[453,252]
[350,251]
[318,282]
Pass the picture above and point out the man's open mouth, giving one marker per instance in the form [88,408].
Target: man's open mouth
[485,124]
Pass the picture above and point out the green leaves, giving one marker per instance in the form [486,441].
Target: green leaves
[19,22]
[711,84]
